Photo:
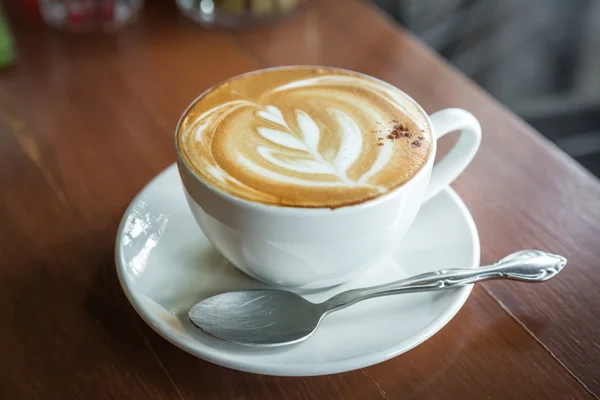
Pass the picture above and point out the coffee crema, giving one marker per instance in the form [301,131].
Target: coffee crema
[305,137]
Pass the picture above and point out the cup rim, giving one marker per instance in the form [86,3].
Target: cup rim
[292,209]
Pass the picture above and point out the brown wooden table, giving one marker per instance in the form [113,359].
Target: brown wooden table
[86,121]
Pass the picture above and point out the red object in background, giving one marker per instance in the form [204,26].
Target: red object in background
[79,13]
[31,4]
[32,7]
[90,11]
[88,15]
[106,12]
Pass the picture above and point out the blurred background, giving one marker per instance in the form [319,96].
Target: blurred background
[540,58]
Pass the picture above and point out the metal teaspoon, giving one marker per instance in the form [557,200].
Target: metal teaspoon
[272,317]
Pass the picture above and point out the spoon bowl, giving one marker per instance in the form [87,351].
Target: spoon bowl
[258,318]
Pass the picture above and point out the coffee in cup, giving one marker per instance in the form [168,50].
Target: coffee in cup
[305,137]
[304,176]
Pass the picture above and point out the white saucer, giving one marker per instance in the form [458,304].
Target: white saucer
[165,265]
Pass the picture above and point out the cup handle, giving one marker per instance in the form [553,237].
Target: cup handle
[457,159]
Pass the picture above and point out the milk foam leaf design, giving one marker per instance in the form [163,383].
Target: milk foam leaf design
[281,138]
[310,130]
[272,113]
[352,141]
[303,165]
[307,141]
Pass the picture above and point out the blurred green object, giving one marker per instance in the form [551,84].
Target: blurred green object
[7,53]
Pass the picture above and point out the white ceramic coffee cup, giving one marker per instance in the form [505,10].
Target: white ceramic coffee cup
[311,248]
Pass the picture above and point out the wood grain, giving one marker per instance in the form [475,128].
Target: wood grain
[86,121]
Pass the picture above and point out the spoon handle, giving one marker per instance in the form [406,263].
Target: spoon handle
[526,265]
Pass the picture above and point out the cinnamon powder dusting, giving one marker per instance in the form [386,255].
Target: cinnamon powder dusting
[397,132]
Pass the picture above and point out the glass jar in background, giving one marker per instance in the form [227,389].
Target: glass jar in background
[236,13]
[89,15]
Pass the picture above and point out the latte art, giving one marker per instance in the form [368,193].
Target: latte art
[305,137]
[299,151]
